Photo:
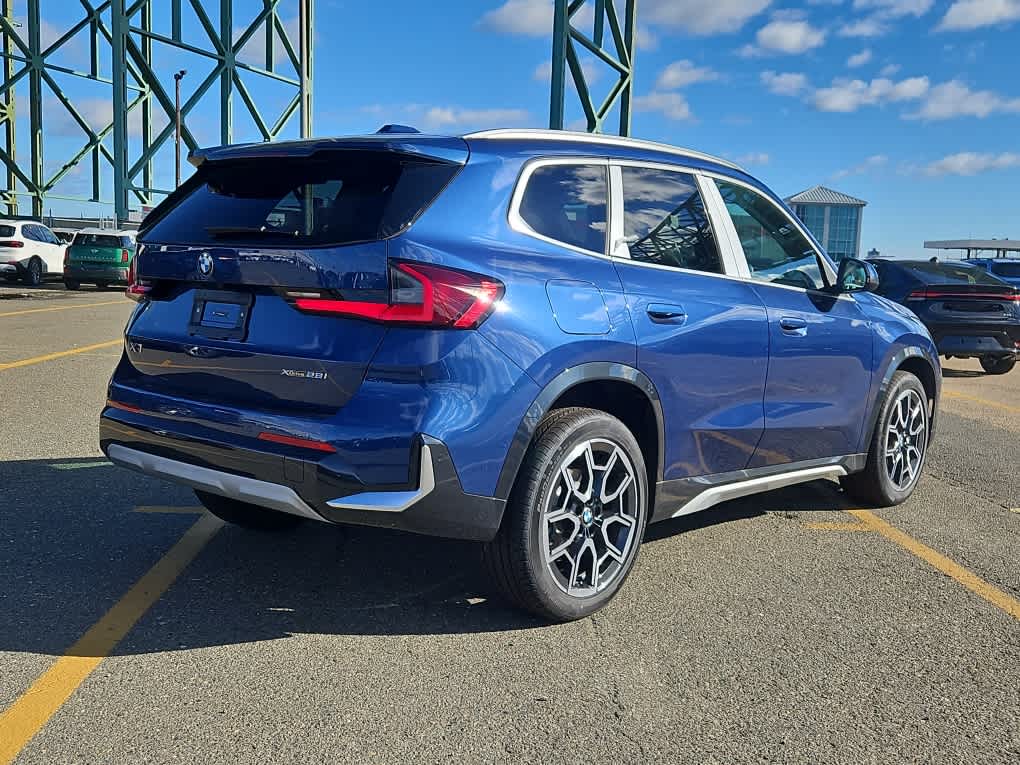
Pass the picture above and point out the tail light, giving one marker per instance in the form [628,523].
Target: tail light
[137,289]
[12,243]
[124,256]
[421,294]
[938,293]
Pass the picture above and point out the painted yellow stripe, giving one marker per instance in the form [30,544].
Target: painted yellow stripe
[63,308]
[20,722]
[976,400]
[950,568]
[836,526]
[57,355]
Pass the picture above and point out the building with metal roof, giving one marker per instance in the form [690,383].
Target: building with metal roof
[833,217]
[1001,247]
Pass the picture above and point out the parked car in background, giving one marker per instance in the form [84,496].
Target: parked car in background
[98,256]
[65,235]
[969,312]
[539,340]
[29,252]
[1007,269]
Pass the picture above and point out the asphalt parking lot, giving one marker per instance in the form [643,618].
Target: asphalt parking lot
[783,628]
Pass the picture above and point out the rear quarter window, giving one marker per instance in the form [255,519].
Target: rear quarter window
[1009,270]
[6,230]
[340,198]
[567,203]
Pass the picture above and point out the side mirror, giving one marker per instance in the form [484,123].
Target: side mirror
[856,276]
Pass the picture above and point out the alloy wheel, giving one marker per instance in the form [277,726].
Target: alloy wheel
[590,518]
[906,439]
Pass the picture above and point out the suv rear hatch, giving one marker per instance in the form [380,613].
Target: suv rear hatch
[100,249]
[235,266]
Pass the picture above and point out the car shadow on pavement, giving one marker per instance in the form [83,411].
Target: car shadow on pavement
[72,543]
[962,373]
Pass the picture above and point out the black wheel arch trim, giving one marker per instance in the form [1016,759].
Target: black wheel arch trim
[563,382]
[894,365]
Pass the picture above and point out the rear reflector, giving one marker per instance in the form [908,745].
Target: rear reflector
[303,443]
[421,294]
[125,407]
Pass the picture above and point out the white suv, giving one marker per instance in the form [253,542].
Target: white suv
[29,251]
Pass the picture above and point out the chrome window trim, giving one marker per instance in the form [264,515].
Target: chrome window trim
[593,138]
[827,266]
[517,222]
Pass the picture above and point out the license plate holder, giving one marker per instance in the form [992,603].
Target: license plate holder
[220,315]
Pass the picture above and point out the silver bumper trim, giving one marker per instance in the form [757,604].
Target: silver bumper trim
[392,501]
[261,493]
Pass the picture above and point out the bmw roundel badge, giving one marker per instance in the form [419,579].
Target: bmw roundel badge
[205,264]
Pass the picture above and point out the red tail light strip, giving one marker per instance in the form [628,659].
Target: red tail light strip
[939,294]
[303,443]
[12,243]
[125,407]
[447,298]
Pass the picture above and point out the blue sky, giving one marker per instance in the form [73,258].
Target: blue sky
[912,105]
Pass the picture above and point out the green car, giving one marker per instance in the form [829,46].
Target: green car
[98,257]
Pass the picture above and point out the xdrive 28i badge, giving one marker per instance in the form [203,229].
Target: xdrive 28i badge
[205,264]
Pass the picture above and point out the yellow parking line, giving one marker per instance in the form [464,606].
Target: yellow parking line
[32,710]
[976,400]
[950,568]
[58,355]
[62,308]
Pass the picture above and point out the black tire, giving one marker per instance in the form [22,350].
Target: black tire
[246,515]
[71,284]
[997,365]
[516,559]
[101,286]
[33,274]
[874,487]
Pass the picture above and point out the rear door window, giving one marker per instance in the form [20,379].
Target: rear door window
[28,232]
[327,199]
[567,203]
[664,220]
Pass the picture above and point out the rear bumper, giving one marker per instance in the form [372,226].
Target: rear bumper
[9,268]
[85,272]
[976,339]
[432,502]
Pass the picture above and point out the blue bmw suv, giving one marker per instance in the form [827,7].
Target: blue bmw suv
[538,340]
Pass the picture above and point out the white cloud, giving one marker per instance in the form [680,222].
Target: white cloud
[702,17]
[97,113]
[785,35]
[786,83]
[672,105]
[521,17]
[889,70]
[895,8]
[954,99]
[441,117]
[859,59]
[868,27]
[973,14]
[682,73]
[850,95]
[254,51]
[753,158]
[971,163]
[874,162]
[645,38]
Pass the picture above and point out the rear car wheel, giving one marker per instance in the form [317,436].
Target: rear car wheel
[71,284]
[575,519]
[898,448]
[246,515]
[33,273]
[997,365]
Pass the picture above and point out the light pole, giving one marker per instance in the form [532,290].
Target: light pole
[178,76]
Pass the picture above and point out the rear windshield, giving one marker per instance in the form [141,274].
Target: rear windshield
[1009,270]
[6,230]
[340,198]
[948,273]
[98,240]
